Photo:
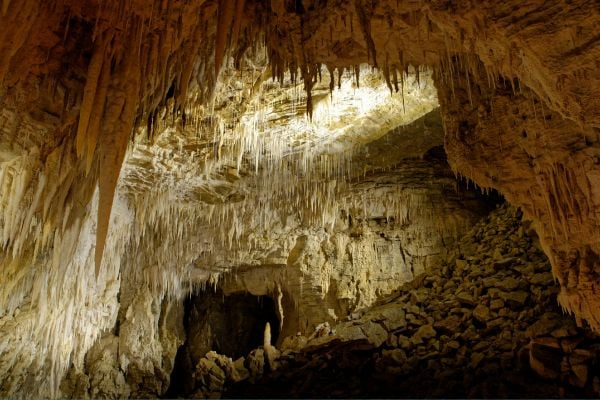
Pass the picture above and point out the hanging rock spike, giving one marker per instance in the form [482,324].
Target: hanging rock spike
[89,95]
[226,13]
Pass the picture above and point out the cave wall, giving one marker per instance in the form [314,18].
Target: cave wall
[484,323]
[507,138]
[50,320]
[398,216]
[398,219]
[323,274]
[139,65]
[134,358]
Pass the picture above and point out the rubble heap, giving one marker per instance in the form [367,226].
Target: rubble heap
[485,323]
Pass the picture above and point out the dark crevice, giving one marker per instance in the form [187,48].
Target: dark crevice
[231,325]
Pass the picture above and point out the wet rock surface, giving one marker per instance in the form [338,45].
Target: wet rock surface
[483,324]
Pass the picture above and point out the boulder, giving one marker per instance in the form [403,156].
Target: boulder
[580,356]
[476,359]
[404,342]
[450,324]
[496,304]
[481,313]
[507,283]
[398,356]
[545,360]
[375,333]
[570,343]
[516,298]
[294,343]
[579,375]
[466,298]
[544,278]
[424,332]
[241,372]
[543,326]
[255,362]
[209,377]
[392,316]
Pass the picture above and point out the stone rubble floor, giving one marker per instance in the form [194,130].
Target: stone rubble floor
[486,324]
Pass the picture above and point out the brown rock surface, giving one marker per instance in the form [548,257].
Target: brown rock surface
[480,360]
[518,85]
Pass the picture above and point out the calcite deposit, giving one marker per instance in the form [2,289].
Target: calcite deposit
[484,323]
[153,150]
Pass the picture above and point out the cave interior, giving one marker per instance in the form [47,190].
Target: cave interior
[307,199]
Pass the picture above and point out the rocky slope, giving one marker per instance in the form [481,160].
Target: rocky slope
[485,323]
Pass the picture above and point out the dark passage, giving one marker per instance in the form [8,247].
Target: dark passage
[232,325]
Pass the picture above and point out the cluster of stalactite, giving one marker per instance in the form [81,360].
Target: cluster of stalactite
[134,56]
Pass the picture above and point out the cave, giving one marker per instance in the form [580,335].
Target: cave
[274,199]
[236,322]
[231,325]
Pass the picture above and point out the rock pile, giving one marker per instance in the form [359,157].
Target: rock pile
[484,324]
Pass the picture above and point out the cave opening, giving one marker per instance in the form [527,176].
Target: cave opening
[228,324]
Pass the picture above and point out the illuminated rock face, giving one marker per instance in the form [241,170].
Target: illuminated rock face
[401,217]
[142,147]
[483,323]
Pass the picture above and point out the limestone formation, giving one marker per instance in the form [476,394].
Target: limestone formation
[150,149]
[513,351]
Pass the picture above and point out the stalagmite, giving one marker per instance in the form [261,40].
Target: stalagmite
[267,336]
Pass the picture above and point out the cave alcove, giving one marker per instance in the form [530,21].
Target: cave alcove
[232,325]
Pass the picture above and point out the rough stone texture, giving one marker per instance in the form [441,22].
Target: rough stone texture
[405,212]
[532,133]
[136,361]
[147,346]
[50,320]
[539,161]
[78,79]
[441,348]
[322,274]
[160,256]
[105,378]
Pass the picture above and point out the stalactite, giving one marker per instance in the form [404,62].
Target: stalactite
[5,5]
[96,119]
[121,112]
[225,19]
[155,59]
[386,75]
[89,94]
[365,25]
[357,75]
[237,22]
[12,40]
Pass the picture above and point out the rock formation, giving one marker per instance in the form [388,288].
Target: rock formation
[483,324]
[152,149]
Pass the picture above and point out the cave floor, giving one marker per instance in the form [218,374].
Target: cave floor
[486,324]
